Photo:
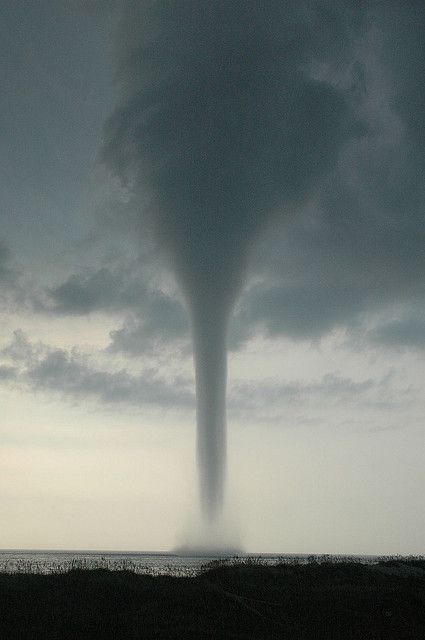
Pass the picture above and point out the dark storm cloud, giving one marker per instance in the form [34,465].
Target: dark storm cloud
[163,321]
[361,249]
[313,280]
[359,245]
[299,312]
[5,270]
[12,289]
[98,290]
[154,318]
[56,91]
[403,28]
[92,7]
[408,333]
[223,123]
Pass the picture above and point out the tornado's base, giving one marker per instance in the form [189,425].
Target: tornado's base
[203,551]
[208,538]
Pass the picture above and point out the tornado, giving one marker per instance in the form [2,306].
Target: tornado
[224,123]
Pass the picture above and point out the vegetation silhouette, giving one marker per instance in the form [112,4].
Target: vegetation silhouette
[320,599]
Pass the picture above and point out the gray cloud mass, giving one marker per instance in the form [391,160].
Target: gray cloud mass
[76,376]
[405,333]
[154,319]
[4,259]
[39,367]
[356,243]
[358,246]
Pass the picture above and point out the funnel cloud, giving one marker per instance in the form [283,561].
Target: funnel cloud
[224,122]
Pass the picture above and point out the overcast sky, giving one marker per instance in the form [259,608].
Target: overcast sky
[326,393]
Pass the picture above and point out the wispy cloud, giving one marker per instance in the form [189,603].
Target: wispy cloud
[80,377]
[38,367]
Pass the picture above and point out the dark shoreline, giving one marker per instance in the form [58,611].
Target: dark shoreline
[326,600]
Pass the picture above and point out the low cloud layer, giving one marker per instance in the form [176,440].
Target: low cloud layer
[97,290]
[154,319]
[297,298]
[37,367]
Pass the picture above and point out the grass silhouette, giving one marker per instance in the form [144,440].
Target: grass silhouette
[232,599]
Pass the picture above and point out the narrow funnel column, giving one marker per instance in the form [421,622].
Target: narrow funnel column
[210,357]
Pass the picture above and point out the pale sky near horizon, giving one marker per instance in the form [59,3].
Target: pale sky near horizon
[326,385]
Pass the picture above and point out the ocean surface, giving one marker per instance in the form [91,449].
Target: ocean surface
[33,561]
